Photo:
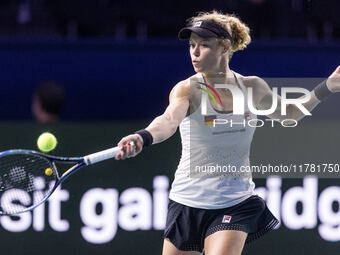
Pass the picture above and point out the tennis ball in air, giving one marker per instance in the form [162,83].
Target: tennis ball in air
[48,171]
[46,142]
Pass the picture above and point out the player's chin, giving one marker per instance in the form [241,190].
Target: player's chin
[200,69]
[197,69]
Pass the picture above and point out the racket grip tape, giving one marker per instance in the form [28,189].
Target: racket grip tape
[101,156]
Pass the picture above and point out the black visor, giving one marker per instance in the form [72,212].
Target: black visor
[205,29]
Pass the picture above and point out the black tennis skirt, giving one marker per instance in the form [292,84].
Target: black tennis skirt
[187,227]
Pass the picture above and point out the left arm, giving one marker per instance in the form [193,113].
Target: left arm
[263,96]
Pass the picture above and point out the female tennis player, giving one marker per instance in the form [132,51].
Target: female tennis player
[215,211]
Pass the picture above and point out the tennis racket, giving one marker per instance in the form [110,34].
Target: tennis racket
[28,178]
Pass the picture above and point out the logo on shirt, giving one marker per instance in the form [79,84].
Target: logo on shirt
[209,120]
[226,219]
[210,94]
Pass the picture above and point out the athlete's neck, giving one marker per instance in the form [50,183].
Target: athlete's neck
[219,77]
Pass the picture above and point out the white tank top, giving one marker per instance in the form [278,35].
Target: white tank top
[207,147]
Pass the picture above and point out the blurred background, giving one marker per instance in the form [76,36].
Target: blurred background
[100,50]
[303,19]
[93,71]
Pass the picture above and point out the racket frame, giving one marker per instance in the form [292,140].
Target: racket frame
[80,162]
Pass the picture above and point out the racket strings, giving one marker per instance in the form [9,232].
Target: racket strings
[23,181]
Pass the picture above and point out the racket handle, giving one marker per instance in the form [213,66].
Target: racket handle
[101,156]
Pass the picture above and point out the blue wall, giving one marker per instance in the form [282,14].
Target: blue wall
[131,79]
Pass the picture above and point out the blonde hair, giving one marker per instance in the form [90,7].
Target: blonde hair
[238,30]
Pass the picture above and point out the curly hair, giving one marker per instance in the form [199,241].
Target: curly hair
[239,31]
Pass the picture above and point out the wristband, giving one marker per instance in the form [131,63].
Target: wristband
[322,91]
[147,137]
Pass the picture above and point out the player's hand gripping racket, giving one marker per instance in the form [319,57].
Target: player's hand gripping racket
[28,178]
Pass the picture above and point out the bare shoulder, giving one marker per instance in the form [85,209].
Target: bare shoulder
[182,89]
[259,86]
[254,82]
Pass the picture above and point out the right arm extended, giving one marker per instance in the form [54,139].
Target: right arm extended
[163,126]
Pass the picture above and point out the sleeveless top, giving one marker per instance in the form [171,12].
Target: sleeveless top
[209,173]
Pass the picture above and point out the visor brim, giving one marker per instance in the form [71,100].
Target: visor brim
[185,33]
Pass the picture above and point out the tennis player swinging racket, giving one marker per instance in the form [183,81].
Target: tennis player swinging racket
[219,213]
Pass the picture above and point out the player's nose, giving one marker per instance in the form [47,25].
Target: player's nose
[196,51]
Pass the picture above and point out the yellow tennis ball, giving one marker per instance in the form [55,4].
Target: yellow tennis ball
[48,171]
[46,142]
